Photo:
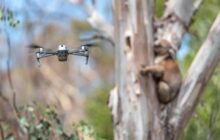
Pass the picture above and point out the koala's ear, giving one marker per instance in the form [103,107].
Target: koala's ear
[172,53]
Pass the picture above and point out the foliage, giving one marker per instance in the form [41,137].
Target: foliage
[159,7]
[8,16]
[98,113]
[47,125]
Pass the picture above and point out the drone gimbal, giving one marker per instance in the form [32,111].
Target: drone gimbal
[62,52]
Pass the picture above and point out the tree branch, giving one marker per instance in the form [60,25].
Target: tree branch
[96,20]
[8,68]
[197,4]
[175,21]
[9,77]
[2,132]
[183,9]
[198,75]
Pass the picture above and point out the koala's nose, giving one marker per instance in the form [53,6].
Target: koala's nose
[157,46]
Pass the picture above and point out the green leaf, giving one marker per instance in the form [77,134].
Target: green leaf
[10,137]
[30,109]
[24,123]
[59,129]
[71,137]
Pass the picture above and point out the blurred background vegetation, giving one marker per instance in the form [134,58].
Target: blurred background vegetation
[70,99]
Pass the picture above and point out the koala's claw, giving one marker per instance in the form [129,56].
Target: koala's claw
[144,70]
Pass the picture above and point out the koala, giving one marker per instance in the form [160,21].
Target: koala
[165,71]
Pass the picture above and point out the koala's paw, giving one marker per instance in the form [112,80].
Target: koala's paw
[144,70]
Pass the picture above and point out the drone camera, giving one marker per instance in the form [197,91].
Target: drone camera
[62,53]
[62,47]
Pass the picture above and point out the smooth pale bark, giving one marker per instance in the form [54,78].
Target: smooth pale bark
[197,78]
[183,9]
[134,105]
[133,102]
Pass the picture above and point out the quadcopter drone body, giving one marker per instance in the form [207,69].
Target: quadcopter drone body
[62,52]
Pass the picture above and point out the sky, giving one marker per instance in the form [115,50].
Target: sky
[59,11]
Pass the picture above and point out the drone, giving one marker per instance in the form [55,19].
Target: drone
[62,52]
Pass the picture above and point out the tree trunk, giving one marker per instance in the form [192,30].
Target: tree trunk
[137,113]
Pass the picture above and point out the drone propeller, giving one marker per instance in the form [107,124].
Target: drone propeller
[90,44]
[41,49]
[87,46]
[34,46]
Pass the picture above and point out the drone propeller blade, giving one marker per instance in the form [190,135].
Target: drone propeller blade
[90,44]
[34,46]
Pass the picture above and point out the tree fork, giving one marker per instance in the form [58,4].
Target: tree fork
[137,114]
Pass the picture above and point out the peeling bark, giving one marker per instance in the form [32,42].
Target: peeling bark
[135,99]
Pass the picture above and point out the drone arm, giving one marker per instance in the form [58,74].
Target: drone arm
[44,55]
[79,53]
[75,52]
[82,53]
[49,53]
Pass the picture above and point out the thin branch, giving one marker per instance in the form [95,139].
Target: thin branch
[8,69]
[94,2]
[10,79]
[198,75]
[4,98]
[2,132]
